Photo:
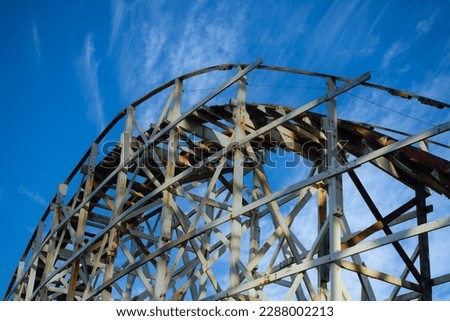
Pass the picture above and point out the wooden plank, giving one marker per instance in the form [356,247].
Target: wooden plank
[273,277]
[361,269]
[376,213]
[424,249]
[441,279]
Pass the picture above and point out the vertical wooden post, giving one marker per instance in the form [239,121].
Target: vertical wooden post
[50,256]
[238,183]
[121,186]
[335,198]
[324,249]
[424,250]
[81,224]
[34,267]
[165,236]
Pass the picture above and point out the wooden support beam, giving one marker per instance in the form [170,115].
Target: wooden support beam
[361,269]
[424,249]
[378,225]
[159,225]
[121,193]
[165,234]
[376,213]
[81,223]
[335,193]
[238,183]
[360,248]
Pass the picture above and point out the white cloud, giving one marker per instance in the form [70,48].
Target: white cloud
[208,38]
[158,44]
[425,25]
[117,10]
[134,27]
[155,41]
[404,69]
[347,30]
[432,87]
[88,74]
[36,41]
[154,44]
[32,195]
[395,50]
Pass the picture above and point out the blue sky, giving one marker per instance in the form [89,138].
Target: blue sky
[68,67]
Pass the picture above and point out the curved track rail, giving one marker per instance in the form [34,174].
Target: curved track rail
[237,200]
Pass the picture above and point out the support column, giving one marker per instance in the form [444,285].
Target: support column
[424,250]
[203,284]
[81,224]
[162,265]
[128,291]
[51,255]
[255,232]
[324,249]
[121,187]
[18,293]
[335,199]
[33,271]
[238,184]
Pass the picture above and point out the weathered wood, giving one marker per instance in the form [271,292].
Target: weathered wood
[360,269]
[165,211]
[424,249]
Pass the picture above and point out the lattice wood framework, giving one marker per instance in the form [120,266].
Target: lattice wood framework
[201,206]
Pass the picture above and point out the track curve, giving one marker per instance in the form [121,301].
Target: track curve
[221,198]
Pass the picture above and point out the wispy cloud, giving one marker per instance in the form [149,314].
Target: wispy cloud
[432,87]
[130,38]
[395,50]
[117,11]
[155,43]
[434,79]
[32,195]
[208,38]
[36,41]
[404,69]
[347,30]
[87,66]
[425,25]
[2,191]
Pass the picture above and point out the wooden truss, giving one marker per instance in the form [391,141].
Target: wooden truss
[197,207]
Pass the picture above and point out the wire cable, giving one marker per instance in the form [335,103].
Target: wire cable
[390,109]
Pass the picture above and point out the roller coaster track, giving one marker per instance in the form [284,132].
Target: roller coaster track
[224,197]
